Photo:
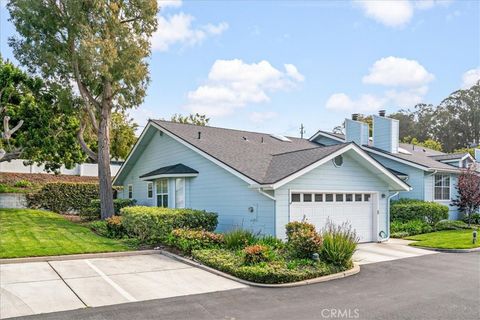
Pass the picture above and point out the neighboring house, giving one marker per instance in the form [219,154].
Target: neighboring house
[83,169]
[259,181]
[431,174]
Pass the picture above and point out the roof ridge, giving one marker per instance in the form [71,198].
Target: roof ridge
[215,127]
[319,147]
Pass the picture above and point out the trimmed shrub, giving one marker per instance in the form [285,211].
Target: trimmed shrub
[303,240]
[64,197]
[401,234]
[239,238]
[451,225]
[339,244]
[153,224]
[407,209]
[99,227]
[272,242]
[276,271]
[22,184]
[410,228]
[92,212]
[115,228]
[257,253]
[474,218]
[187,240]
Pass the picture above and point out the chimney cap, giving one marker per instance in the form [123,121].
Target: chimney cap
[382,113]
[355,116]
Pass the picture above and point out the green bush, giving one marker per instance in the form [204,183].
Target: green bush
[92,211]
[474,218]
[187,240]
[401,234]
[411,228]
[7,189]
[339,244]
[115,228]
[99,227]
[256,254]
[272,242]
[302,239]
[22,184]
[239,239]
[63,197]
[451,225]
[276,271]
[153,224]
[407,210]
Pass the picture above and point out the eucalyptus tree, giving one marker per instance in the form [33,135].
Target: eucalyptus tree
[99,46]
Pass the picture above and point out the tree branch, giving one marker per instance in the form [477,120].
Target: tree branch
[92,155]
[7,156]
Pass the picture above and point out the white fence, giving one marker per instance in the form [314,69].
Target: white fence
[84,169]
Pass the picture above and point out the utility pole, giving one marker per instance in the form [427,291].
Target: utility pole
[302,130]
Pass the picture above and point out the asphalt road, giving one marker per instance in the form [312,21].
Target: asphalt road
[440,286]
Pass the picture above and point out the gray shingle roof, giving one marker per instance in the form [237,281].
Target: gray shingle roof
[258,156]
[450,156]
[175,169]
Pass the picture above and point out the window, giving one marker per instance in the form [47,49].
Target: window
[329,197]
[180,193]
[295,197]
[358,197]
[318,197]
[130,191]
[338,161]
[149,190]
[442,187]
[307,197]
[366,197]
[162,193]
[349,197]
[339,197]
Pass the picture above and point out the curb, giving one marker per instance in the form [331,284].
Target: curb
[339,275]
[78,256]
[449,250]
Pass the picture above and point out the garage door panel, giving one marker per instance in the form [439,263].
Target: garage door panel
[358,214]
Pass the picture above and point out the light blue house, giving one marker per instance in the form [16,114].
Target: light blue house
[431,174]
[260,181]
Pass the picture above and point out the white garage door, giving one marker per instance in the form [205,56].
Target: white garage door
[316,208]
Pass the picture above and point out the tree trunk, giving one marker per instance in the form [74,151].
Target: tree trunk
[104,174]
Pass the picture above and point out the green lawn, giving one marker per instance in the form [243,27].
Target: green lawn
[449,239]
[29,233]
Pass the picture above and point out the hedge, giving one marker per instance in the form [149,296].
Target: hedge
[92,211]
[63,197]
[407,210]
[153,224]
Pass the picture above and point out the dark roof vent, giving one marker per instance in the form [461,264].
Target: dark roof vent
[262,139]
[245,138]
[199,135]
[382,113]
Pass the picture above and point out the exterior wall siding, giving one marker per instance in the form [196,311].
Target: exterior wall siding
[214,189]
[326,141]
[350,177]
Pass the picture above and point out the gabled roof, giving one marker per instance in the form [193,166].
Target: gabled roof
[450,156]
[331,135]
[177,169]
[257,158]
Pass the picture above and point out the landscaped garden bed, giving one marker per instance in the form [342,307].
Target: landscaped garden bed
[31,233]
[305,255]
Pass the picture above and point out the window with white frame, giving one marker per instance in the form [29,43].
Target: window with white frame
[442,187]
[149,190]
[180,193]
[162,193]
[130,191]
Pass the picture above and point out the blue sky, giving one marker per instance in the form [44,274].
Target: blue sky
[271,65]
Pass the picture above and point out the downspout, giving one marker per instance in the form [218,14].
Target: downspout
[388,213]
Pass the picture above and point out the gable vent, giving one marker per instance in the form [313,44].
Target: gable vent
[280,137]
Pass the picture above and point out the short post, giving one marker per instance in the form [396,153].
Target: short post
[474,240]
[316,257]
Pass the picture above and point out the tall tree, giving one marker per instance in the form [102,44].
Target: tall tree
[44,124]
[197,119]
[102,47]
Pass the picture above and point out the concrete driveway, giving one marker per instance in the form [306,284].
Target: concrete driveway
[392,249]
[40,287]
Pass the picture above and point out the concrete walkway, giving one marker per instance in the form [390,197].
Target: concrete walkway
[40,287]
[392,249]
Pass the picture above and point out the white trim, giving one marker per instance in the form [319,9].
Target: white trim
[204,154]
[449,187]
[177,175]
[348,147]
[327,135]
[266,194]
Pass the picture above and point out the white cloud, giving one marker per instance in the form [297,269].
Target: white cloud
[393,71]
[470,78]
[366,102]
[260,117]
[233,84]
[163,4]
[396,13]
[390,13]
[177,29]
